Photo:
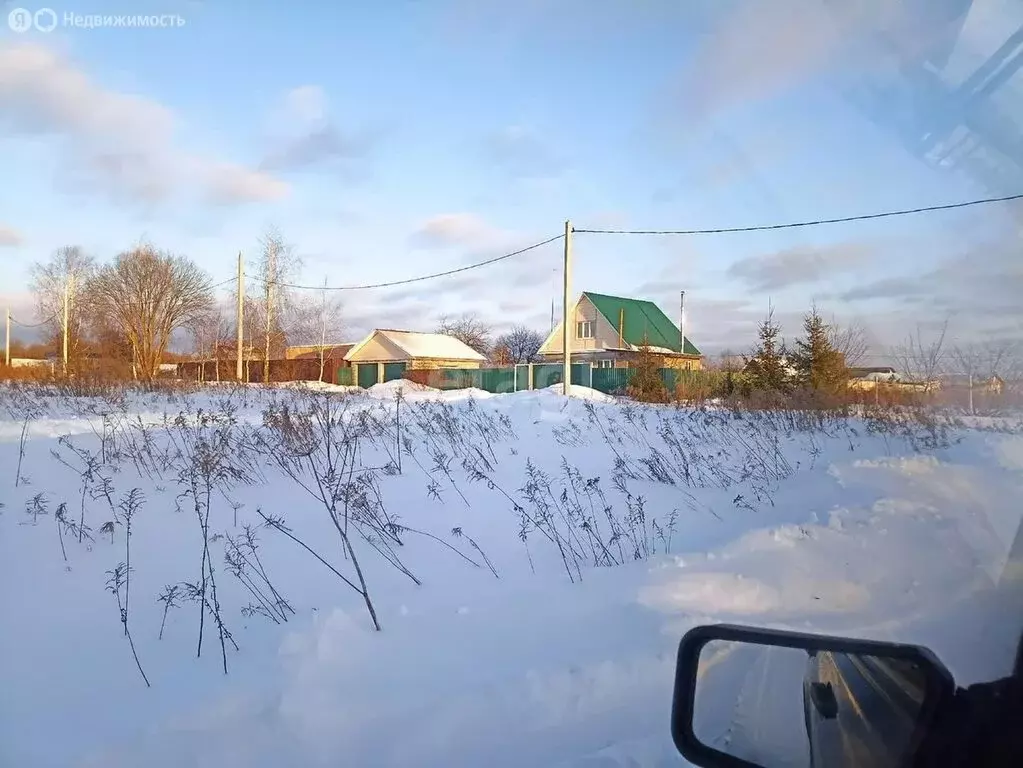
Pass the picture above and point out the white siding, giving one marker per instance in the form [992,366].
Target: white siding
[605,335]
[376,348]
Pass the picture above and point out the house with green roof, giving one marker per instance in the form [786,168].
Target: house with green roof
[608,331]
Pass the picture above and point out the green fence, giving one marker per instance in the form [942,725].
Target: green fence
[344,376]
[614,381]
[611,380]
[497,380]
[548,374]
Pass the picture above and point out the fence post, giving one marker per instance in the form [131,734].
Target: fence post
[529,377]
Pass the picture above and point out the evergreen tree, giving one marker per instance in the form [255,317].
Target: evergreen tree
[819,365]
[766,369]
[645,382]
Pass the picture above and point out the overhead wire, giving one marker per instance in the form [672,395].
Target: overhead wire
[419,278]
[15,321]
[710,231]
[808,223]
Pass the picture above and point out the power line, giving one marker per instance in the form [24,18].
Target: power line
[420,278]
[32,325]
[795,224]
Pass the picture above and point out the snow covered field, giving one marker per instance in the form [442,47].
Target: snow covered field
[531,561]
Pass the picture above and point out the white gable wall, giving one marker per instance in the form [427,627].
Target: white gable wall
[605,334]
[377,348]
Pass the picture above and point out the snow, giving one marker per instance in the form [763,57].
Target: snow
[437,346]
[579,391]
[390,389]
[321,386]
[838,526]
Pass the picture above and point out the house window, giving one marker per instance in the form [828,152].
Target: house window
[584,329]
[607,363]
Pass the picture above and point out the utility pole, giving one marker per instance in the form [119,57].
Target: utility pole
[682,324]
[240,319]
[7,340]
[566,337]
[67,317]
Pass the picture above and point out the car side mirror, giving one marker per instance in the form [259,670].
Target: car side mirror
[764,698]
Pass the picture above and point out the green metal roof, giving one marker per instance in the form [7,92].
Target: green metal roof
[642,319]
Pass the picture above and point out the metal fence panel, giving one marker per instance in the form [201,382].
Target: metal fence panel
[669,376]
[582,375]
[547,375]
[521,377]
[611,380]
[498,380]
[459,378]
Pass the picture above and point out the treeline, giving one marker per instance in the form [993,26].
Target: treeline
[123,312]
[121,317]
[816,365]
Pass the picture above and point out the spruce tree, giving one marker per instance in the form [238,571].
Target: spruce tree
[645,382]
[766,369]
[818,364]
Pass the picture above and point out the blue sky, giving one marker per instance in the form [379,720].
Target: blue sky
[388,140]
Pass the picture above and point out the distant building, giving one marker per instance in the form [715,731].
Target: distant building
[608,331]
[333,352]
[386,353]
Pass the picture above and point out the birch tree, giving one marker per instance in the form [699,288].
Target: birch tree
[63,276]
[277,265]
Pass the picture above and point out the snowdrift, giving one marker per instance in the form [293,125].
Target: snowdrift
[531,562]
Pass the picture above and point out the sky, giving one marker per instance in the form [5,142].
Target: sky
[396,139]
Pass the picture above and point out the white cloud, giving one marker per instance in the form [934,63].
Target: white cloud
[304,136]
[464,230]
[10,237]
[120,143]
[797,264]
[307,104]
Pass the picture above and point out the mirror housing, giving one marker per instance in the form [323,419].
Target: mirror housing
[940,686]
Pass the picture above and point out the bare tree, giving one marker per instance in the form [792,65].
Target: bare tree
[967,360]
[147,295]
[522,344]
[500,355]
[469,329]
[1001,357]
[851,340]
[209,333]
[921,359]
[64,275]
[320,323]
[276,265]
